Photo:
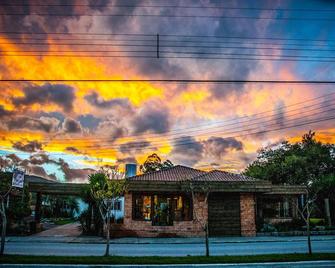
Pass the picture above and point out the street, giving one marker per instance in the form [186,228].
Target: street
[166,249]
[303,264]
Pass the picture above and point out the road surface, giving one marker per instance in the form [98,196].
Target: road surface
[304,264]
[165,249]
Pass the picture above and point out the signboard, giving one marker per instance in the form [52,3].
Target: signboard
[18,179]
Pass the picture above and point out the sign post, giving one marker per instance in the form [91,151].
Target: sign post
[18,179]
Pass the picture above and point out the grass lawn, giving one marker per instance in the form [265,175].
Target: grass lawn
[63,221]
[163,260]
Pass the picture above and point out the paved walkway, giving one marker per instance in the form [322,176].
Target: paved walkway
[66,230]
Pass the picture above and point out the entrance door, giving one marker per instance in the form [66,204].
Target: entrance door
[224,214]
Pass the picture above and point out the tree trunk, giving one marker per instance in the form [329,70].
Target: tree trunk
[107,236]
[207,242]
[4,225]
[309,231]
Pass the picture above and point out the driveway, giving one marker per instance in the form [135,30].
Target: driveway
[66,230]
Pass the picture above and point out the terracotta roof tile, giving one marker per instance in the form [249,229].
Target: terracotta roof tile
[176,173]
[182,173]
[218,175]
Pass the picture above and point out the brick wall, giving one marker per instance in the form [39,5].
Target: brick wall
[179,228]
[247,208]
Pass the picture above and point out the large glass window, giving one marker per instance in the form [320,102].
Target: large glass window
[162,209]
[142,207]
[280,207]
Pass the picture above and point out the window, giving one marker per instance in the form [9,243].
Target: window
[280,207]
[162,209]
[142,207]
[117,205]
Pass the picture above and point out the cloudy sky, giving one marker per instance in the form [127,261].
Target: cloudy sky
[65,129]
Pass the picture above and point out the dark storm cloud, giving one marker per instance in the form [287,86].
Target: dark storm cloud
[59,94]
[186,150]
[151,119]
[89,121]
[98,4]
[96,101]
[134,147]
[72,149]
[72,174]
[45,124]
[4,112]
[29,147]
[40,159]
[112,128]
[27,23]
[71,126]
[40,171]
[219,147]
[126,160]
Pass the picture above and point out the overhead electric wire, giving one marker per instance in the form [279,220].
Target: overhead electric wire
[189,81]
[223,123]
[198,16]
[162,45]
[171,6]
[234,129]
[234,122]
[154,147]
[243,135]
[154,40]
[169,35]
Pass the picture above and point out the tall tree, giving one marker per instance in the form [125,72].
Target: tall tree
[106,187]
[308,162]
[154,163]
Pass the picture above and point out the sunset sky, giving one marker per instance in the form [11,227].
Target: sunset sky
[65,129]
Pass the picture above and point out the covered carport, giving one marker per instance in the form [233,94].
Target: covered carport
[41,186]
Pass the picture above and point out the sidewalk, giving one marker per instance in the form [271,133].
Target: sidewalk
[134,240]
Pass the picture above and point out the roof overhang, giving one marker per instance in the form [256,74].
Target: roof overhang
[57,188]
[287,189]
[159,186]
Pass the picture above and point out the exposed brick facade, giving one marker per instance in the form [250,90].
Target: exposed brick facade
[247,208]
[179,228]
[188,228]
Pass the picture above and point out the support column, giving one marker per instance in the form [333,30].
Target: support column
[38,206]
[327,211]
[247,214]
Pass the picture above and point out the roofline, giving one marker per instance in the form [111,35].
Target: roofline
[162,170]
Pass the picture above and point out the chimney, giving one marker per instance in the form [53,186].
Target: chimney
[131,170]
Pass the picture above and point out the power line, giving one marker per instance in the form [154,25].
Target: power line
[234,123]
[180,137]
[139,145]
[161,44]
[173,6]
[238,120]
[194,81]
[318,120]
[167,16]
[195,56]
[168,35]
[111,39]
[197,81]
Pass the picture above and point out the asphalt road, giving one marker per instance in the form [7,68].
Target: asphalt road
[305,264]
[88,249]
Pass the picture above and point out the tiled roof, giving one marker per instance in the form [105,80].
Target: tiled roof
[218,175]
[38,179]
[176,173]
[182,173]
